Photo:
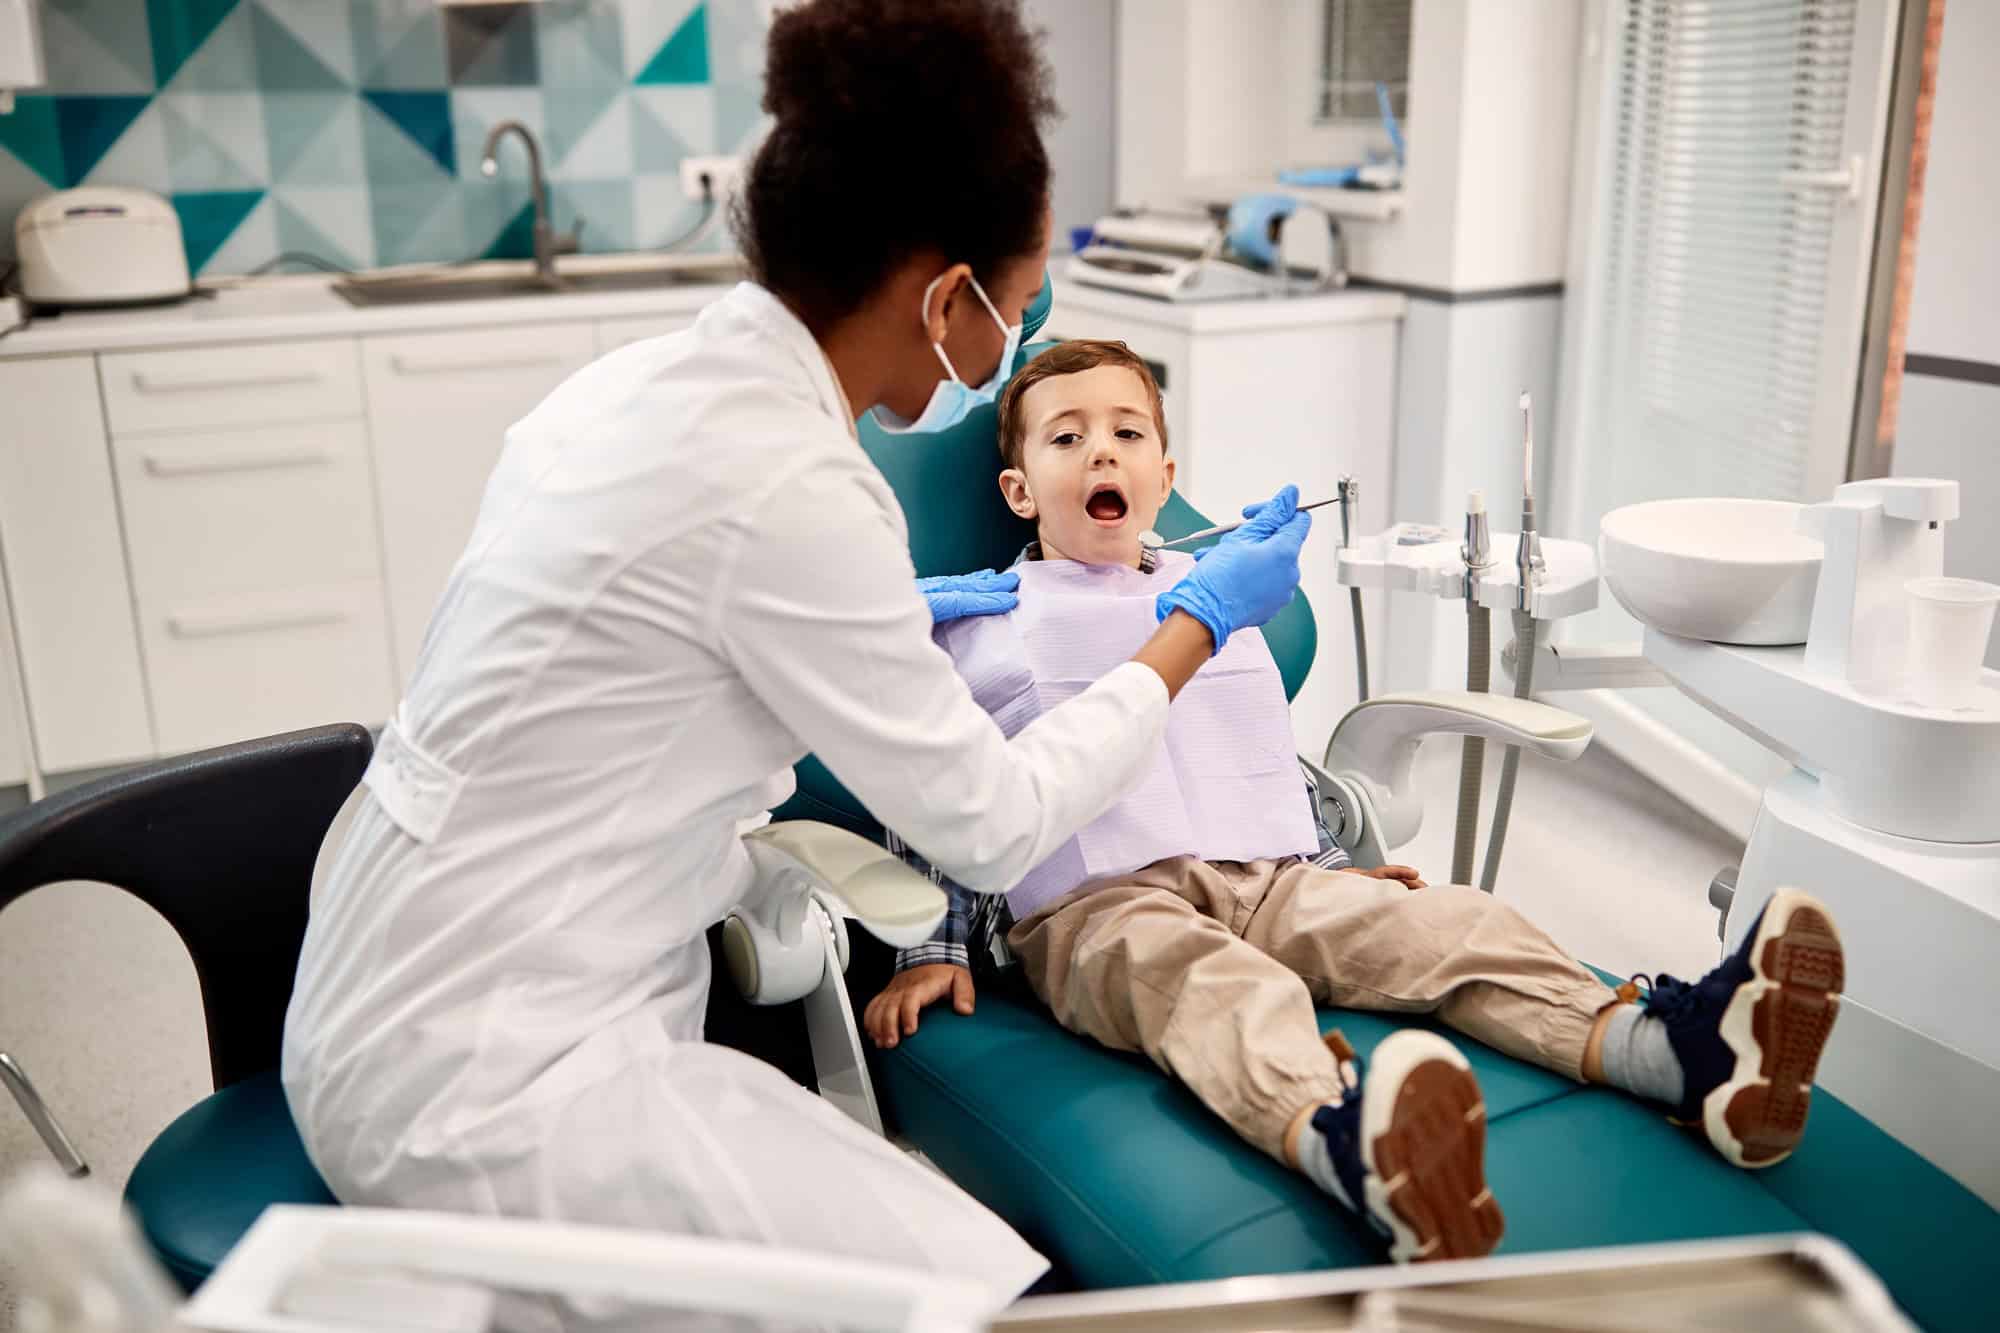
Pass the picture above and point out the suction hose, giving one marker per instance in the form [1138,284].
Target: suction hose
[1472,756]
[1360,645]
[1510,767]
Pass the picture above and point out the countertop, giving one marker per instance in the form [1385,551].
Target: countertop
[306,306]
[1354,305]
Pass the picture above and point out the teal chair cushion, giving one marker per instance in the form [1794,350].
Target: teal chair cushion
[210,1173]
[1119,1175]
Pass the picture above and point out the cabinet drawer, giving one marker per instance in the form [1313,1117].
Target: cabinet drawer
[224,669]
[218,512]
[247,385]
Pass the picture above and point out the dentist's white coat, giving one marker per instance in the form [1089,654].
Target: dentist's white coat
[685,575]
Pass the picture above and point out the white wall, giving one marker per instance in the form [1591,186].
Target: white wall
[1949,426]
[1081,46]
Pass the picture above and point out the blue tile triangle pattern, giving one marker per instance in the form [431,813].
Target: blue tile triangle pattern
[88,126]
[517,239]
[179,28]
[359,122]
[96,46]
[284,63]
[404,55]
[32,135]
[207,218]
[424,116]
[296,232]
[683,58]
[492,45]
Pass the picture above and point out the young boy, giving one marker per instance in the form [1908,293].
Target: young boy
[1201,918]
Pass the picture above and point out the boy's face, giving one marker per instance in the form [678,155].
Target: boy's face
[1093,472]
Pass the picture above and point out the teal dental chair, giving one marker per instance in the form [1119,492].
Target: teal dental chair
[1110,1168]
[1122,1178]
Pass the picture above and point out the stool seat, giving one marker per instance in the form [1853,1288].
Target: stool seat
[214,1170]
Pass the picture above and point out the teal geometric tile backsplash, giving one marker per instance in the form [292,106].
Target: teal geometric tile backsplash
[351,129]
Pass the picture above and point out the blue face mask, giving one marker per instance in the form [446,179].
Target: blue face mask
[953,399]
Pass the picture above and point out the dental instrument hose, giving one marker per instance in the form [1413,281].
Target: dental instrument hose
[1350,494]
[1528,567]
[1478,555]
[1472,754]
[1510,767]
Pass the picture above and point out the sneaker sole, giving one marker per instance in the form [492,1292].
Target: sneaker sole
[1777,1024]
[1424,1143]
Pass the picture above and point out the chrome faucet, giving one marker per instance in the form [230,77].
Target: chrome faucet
[548,242]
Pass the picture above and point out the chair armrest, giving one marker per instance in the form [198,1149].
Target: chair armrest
[894,903]
[1375,745]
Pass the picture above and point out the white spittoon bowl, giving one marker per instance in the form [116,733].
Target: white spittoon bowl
[1721,571]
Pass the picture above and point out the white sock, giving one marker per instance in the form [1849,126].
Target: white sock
[1316,1162]
[1638,1057]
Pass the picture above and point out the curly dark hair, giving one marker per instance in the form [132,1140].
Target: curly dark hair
[902,126]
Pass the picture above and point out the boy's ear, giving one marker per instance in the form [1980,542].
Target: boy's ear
[1166,480]
[1014,489]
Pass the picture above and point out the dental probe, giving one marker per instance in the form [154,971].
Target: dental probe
[1218,530]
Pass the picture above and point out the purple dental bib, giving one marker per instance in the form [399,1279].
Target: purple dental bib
[1224,786]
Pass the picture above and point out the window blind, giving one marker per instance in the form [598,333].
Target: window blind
[1362,43]
[1725,172]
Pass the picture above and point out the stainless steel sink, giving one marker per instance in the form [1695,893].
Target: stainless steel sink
[495,279]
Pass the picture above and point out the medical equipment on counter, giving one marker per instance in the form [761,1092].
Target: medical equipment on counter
[1891,814]
[1264,245]
[1797,1283]
[100,246]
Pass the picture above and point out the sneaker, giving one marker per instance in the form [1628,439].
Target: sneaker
[1749,1034]
[1408,1145]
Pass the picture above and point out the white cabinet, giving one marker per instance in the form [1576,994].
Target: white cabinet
[613,334]
[257,579]
[439,405]
[1262,393]
[13,712]
[65,565]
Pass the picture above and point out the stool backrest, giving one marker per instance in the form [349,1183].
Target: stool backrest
[222,845]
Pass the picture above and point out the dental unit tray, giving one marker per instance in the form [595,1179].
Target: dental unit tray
[1417,557]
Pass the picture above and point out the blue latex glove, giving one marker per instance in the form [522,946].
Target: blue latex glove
[955,596]
[1248,576]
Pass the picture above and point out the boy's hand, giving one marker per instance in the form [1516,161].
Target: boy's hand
[1409,877]
[892,1015]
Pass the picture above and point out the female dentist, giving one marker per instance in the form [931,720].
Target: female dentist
[686,575]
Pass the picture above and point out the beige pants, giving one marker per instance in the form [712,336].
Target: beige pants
[1212,969]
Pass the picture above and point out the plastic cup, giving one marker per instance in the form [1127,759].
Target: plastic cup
[1950,621]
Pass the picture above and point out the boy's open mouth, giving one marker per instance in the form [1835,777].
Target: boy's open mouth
[1106,503]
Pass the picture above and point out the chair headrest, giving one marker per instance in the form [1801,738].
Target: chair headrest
[948,480]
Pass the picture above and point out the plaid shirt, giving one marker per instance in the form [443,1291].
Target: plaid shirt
[975,924]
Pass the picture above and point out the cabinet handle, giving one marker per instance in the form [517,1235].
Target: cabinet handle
[209,624]
[423,365]
[146,382]
[189,463]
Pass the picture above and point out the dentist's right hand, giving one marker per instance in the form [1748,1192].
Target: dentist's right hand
[1248,576]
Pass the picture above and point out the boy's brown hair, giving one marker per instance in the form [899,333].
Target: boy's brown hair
[1070,358]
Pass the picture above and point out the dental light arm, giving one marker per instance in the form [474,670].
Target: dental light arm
[787,940]
[1374,749]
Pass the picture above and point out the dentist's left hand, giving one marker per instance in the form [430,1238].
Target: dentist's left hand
[955,596]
